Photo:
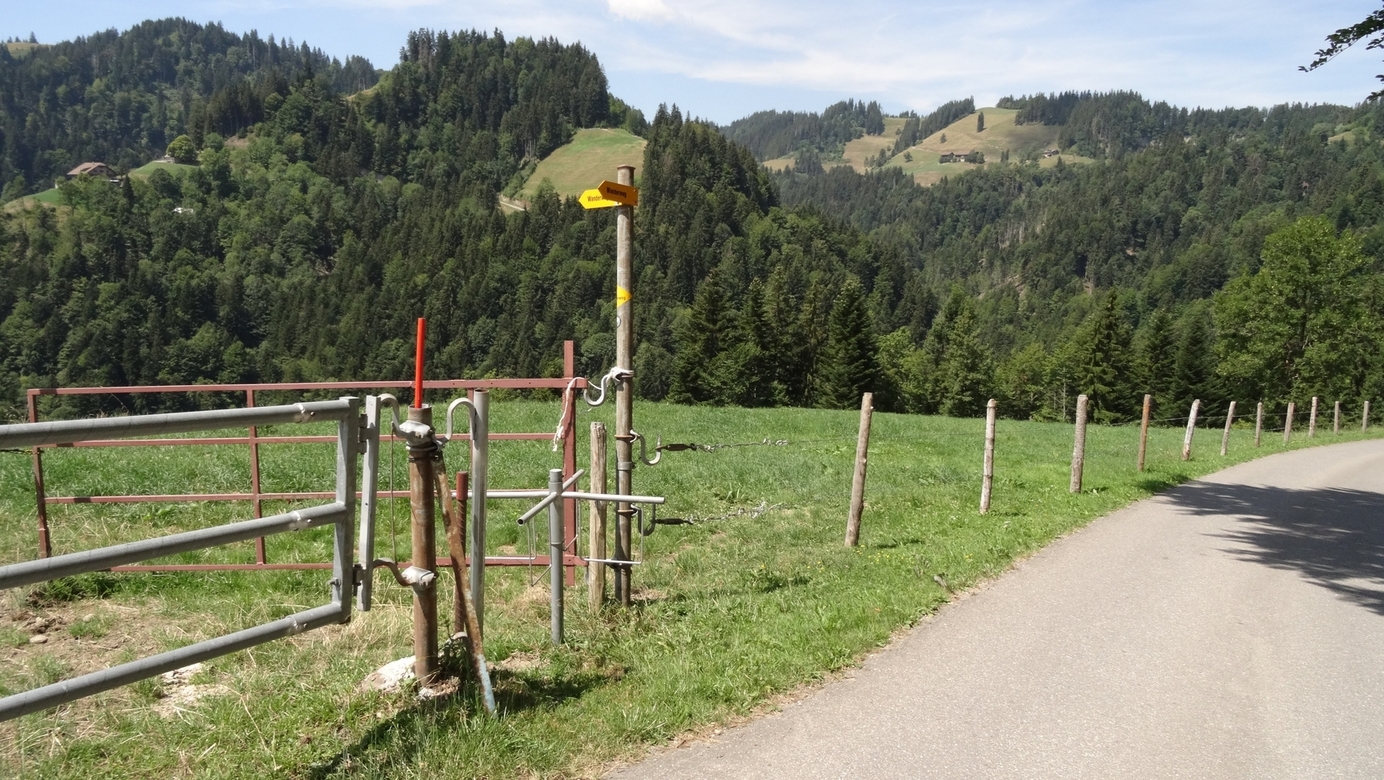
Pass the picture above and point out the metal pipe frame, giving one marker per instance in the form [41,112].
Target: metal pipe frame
[340,514]
[17,575]
[59,432]
[88,684]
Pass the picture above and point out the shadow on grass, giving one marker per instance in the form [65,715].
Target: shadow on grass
[412,730]
[1335,537]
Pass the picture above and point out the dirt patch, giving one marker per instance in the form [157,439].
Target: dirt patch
[522,661]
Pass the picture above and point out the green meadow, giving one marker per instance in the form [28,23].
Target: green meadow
[749,600]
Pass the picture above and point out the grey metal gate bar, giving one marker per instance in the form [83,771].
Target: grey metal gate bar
[340,514]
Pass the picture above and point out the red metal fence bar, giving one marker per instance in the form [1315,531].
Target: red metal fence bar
[569,383]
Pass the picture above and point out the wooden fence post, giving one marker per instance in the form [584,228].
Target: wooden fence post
[1191,428]
[1225,437]
[1364,419]
[596,548]
[1336,419]
[1144,430]
[987,474]
[1288,422]
[1258,422]
[862,449]
[1312,420]
[1079,445]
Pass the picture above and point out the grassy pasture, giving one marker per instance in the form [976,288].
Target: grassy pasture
[51,197]
[591,157]
[1000,134]
[752,601]
[144,171]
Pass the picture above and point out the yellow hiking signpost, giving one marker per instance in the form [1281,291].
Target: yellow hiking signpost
[610,194]
[593,199]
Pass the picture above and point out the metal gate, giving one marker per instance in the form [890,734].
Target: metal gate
[340,513]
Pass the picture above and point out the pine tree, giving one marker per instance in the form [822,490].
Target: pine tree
[980,122]
[1193,368]
[1103,371]
[849,366]
[699,377]
[968,370]
[1155,360]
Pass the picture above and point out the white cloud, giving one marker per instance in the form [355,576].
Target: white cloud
[654,10]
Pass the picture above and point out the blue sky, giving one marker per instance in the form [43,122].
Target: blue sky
[722,59]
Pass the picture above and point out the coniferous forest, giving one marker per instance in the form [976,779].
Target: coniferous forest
[1222,255]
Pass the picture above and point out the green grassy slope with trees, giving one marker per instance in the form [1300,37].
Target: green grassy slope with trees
[304,249]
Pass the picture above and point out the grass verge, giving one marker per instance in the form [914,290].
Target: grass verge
[754,599]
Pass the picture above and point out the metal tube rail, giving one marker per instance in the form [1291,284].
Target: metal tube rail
[116,676]
[582,495]
[47,434]
[29,572]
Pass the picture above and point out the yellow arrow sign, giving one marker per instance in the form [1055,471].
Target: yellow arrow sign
[622,296]
[593,199]
[624,194]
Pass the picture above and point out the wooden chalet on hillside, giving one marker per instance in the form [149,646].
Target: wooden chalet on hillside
[97,169]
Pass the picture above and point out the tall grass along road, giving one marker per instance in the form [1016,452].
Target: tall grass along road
[1230,627]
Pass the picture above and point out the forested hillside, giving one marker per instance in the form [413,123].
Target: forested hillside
[120,98]
[1182,203]
[1207,254]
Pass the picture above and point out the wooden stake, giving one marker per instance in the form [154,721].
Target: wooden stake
[1258,422]
[1191,428]
[1312,420]
[1336,419]
[596,572]
[1225,437]
[1364,421]
[1079,445]
[1144,430]
[862,448]
[987,475]
[1288,422]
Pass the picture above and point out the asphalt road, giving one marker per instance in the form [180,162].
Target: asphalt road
[1230,627]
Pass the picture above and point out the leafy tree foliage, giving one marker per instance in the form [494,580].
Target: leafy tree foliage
[1304,324]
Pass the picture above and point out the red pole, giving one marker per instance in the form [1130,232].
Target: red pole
[418,364]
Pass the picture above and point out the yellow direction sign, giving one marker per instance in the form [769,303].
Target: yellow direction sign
[593,199]
[622,296]
[624,194]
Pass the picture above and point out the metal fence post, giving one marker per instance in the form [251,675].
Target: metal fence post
[480,480]
[555,534]
[343,568]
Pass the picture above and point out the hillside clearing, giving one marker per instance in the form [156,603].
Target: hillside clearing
[590,158]
[1000,134]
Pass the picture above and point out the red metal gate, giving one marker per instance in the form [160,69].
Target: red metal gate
[567,382]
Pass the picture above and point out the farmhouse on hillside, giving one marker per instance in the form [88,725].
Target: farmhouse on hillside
[98,169]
